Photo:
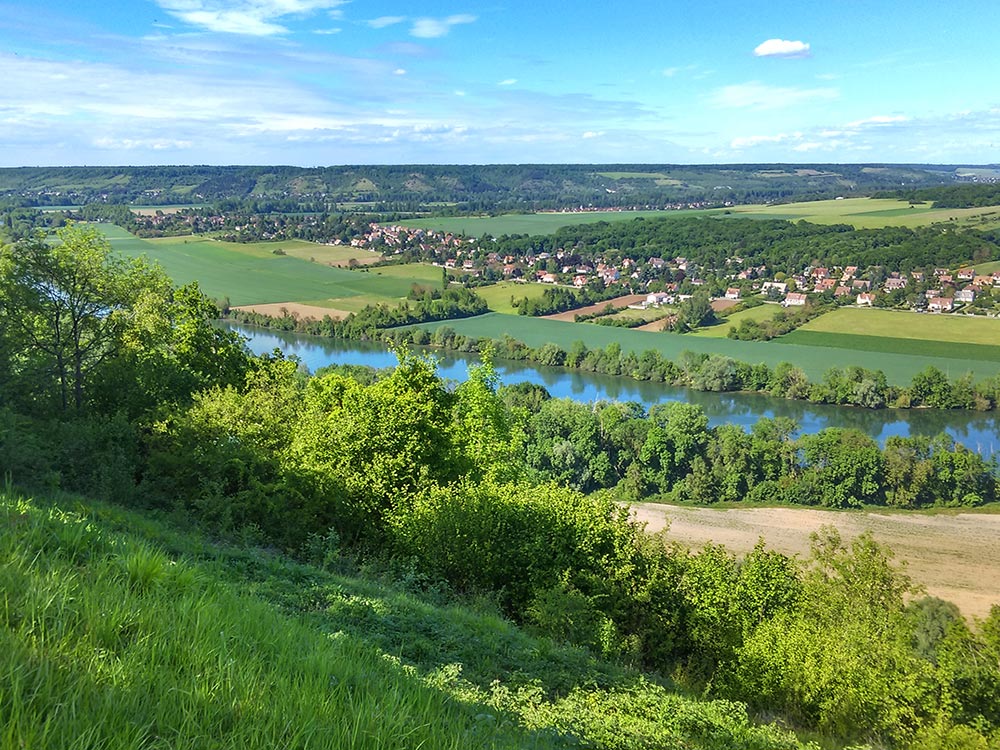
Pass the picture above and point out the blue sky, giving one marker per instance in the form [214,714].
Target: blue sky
[317,82]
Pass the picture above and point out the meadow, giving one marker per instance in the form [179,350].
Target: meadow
[721,329]
[871,213]
[500,296]
[533,224]
[814,360]
[121,631]
[249,274]
[861,213]
[919,334]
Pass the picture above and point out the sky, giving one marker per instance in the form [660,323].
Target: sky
[332,82]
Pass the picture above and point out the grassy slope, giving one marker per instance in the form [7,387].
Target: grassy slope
[118,631]
[533,224]
[814,360]
[251,274]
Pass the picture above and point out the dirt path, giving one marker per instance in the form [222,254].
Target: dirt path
[953,556]
[278,309]
[570,315]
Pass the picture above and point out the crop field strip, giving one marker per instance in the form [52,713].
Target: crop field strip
[956,329]
[721,330]
[862,213]
[250,274]
[814,360]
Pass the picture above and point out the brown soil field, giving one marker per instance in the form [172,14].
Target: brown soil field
[723,304]
[277,309]
[570,315]
[656,325]
[955,556]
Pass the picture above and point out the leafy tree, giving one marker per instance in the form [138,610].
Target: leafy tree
[65,307]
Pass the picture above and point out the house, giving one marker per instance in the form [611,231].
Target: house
[891,285]
[824,285]
[861,284]
[966,295]
[966,274]
[658,263]
[820,273]
[658,298]
[580,280]
[778,286]
[794,299]
[917,276]
[941,304]
[982,281]
[865,299]
[732,293]
[548,278]
[849,273]
[842,291]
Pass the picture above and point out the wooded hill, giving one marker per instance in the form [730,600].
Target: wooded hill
[462,187]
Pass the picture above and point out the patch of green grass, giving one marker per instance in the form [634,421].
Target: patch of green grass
[117,630]
[814,360]
[869,213]
[499,296]
[957,330]
[914,347]
[250,275]
[421,273]
[534,224]
[721,329]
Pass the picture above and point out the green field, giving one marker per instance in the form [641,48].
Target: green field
[533,224]
[952,329]
[498,296]
[814,360]
[872,213]
[888,344]
[862,213]
[721,329]
[252,274]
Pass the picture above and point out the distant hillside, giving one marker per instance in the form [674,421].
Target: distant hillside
[462,187]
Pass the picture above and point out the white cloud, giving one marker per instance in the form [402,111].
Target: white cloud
[781,48]
[877,121]
[382,21]
[431,28]
[459,92]
[131,144]
[593,134]
[507,82]
[327,32]
[247,17]
[756,95]
[399,72]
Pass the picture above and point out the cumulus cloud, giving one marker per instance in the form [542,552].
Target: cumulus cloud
[781,48]
[247,17]
[382,21]
[756,95]
[431,28]
[507,82]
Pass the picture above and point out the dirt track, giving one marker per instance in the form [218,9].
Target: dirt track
[570,315]
[953,556]
[277,309]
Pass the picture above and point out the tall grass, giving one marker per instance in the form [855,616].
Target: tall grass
[119,631]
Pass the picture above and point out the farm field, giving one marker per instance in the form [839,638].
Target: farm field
[720,330]
[570,315]
[954,556]
[897,324]
[872,213]
[533,224]
[332,255]
[916,347]
[252,275]
[814,360]
[498,296]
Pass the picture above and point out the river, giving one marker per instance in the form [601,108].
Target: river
[979,432]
